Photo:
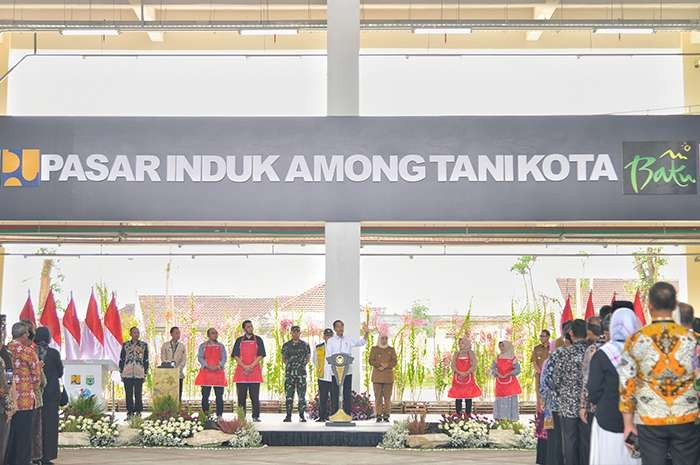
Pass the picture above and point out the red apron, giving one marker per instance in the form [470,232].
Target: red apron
[463,387]
[212,355]
[510,386]
[249,352]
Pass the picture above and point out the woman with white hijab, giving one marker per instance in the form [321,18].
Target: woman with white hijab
[607,441]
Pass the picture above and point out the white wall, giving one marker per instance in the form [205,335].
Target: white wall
[235,86]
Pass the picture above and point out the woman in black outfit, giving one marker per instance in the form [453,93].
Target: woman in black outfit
[53,370]
[607,441]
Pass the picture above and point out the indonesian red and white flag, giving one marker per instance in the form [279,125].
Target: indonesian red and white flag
[638,309]
[71,328]
[27,312]
[566,314]
[113,332]
[92,346]
[49,318]
[590,311]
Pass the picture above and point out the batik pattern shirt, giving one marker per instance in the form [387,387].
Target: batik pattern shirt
[26,374]
[133,360]
[656,375]
[586,368]
[296,354]
[567,378]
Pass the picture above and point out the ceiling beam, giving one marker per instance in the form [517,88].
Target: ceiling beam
[541,13]
[146,13]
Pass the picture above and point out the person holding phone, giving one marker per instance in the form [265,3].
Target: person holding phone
[656,385]
[607,439]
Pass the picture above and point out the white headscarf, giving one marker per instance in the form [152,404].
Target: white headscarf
[623,324]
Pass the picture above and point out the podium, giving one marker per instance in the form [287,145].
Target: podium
[166,382]
[340,364]
[87,377]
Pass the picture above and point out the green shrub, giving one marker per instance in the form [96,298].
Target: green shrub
[165,407]
[86,407]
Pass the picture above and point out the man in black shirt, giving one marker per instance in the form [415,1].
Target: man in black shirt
[248,351]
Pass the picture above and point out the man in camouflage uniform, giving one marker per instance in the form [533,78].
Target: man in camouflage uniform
[295,354]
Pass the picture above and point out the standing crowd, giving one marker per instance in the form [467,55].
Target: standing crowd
[30,395]
[248,353]
[609,391]
[615,393]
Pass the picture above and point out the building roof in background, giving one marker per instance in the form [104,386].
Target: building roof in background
[311,300]
[603,290]
[213,309]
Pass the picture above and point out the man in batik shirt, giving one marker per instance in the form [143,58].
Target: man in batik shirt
[657,385]
[566,378]
[26,378]
[295,354]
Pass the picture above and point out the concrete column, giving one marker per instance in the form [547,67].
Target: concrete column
[343,45]
[691,71]
[5,48]
[343,283]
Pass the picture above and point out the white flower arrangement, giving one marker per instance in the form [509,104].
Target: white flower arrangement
[396,437]
[470,435]
[527,438]
[169,432]
[102,432]
[246,437]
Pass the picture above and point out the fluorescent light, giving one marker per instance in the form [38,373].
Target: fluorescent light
[269,32]
[90,32]
[613,30]
[442,30]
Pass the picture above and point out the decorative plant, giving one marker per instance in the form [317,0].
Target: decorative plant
[465,431]
[647,264]
[165,407]
[396,437]
[102,432]
[362,408]
[168,432]
[84,407]
[441,372]
[246,437]
[274,366]
[366,368]
[416,424]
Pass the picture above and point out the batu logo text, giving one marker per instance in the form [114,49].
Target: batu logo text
[660,167]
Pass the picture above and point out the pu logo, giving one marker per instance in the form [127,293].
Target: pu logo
[20,168]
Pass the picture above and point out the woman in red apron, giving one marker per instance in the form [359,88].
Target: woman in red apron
[249,351]
[212,359]
[505,368]
[463,381]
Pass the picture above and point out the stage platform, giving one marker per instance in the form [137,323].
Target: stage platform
[275,432]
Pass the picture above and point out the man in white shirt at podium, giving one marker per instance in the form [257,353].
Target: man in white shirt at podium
[341,344]
[173,352]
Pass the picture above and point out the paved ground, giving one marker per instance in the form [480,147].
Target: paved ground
[289,456]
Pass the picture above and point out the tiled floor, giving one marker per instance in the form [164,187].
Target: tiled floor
[290,456]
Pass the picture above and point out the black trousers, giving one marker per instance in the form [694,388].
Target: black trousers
[682,441]
[585,445]
[573,438]
[554,453]
[324,393]
[182,383]
[252,389]
[467,406]
[19,450]
[134,395]
[347,395]
[218,394]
